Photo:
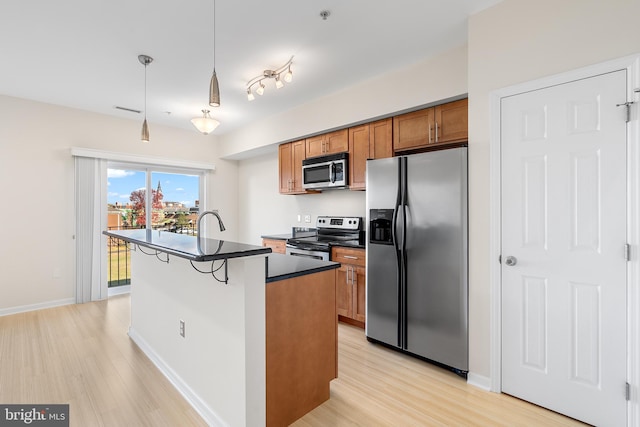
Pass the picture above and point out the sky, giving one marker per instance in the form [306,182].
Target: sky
[175,187]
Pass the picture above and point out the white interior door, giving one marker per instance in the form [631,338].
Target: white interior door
[564,233]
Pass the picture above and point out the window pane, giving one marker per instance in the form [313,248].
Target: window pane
[125,206]
[175,201]
[126,198]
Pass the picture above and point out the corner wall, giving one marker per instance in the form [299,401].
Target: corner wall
[513,42]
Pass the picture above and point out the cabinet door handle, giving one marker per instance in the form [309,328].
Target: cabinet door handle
[429,133]
[436,131]
[349,257]
[348,270]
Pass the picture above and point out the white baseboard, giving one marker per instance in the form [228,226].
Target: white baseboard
[194,400]
[479,381]
[33,307]
[119,290]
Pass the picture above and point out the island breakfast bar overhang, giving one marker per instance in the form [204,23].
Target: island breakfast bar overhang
[220,364]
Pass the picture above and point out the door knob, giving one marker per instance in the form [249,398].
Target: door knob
[511,261]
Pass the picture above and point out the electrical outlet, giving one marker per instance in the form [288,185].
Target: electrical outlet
[182,328]
[307,218]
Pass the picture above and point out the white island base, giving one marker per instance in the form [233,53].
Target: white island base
[219,365]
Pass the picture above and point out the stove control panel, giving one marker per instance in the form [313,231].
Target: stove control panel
[339,222]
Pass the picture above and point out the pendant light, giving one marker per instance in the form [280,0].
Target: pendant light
[214,90]
[205,124]
[145,60]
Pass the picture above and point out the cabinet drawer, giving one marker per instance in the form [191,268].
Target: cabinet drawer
[348,256]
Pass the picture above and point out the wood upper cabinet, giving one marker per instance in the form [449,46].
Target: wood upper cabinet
[452,121]
[350,285]
[442,124]
[328,143]
[290,157]
[381,139]
[369,141]
[358,155]
[277,246]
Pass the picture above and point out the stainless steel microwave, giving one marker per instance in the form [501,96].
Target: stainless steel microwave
[325,172]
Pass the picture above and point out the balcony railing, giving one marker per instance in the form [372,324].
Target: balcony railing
[119,253]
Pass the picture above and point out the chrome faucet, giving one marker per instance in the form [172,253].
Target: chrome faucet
[222,228]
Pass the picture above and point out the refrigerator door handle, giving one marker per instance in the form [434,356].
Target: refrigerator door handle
[402,339]
[399,254]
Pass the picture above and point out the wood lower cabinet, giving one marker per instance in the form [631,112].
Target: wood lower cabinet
[277,246]
[443,124]
[328,143]
[290,157]
[301,345]
[350,285]
[369,141]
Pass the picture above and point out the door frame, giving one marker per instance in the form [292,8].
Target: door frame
[632,65]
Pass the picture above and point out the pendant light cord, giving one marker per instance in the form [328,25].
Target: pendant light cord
[214,35]
[145,90]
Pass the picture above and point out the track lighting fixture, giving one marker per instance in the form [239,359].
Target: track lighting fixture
[145,60]
[270,74]
[205,124]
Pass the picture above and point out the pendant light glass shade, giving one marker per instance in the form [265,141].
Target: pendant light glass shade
[214,91]
[205,124]
[288,77]
[145,131]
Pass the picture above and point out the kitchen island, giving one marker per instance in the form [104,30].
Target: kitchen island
[248,337]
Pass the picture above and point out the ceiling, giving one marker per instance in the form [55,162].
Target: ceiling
[84,53]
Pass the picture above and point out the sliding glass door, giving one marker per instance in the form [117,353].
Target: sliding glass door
[147,197]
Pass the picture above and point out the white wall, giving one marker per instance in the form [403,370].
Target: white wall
[513,42]
[262,210]
[37,254]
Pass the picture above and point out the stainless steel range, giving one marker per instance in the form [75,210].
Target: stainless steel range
[329,230]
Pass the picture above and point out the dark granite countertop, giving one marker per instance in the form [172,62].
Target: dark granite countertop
[349,244]
[281,267]
[277,236]
[188,247]
[344,243]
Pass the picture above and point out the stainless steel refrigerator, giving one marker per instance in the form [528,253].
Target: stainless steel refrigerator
[417,289]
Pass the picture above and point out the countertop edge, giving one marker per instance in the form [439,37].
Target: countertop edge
[191,257]
[332,266]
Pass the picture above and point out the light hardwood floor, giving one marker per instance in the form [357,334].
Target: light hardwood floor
[81,355]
